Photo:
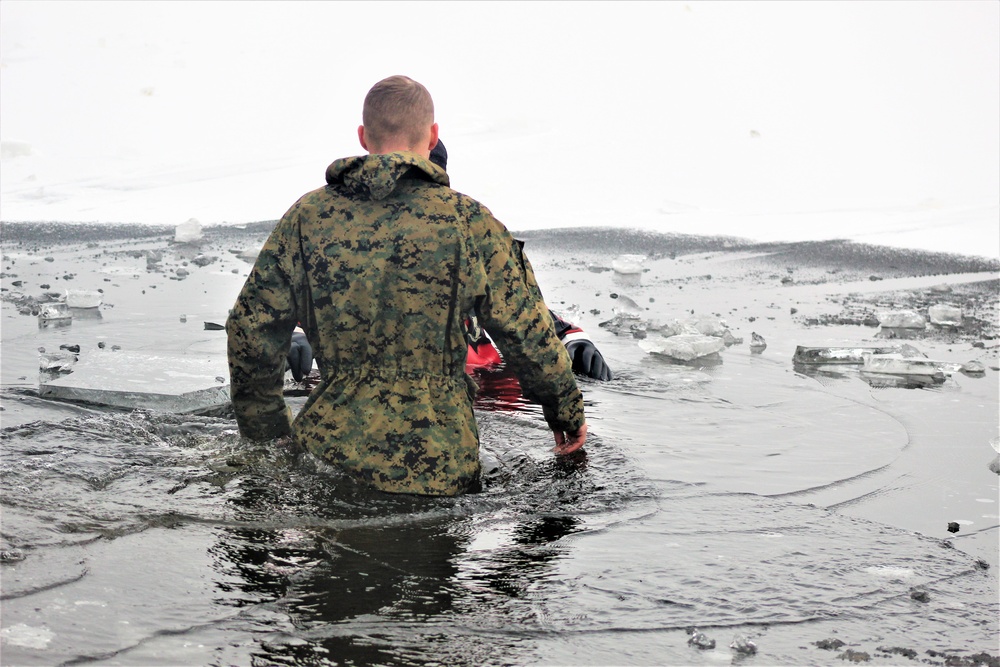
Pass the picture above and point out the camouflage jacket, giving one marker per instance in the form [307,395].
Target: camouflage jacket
[380,268]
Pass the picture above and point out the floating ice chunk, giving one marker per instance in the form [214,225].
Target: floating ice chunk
[973,367]
[55,311]
[625,324]
[249,255]
[902,319]
[709,326]
[885,380]
[684,347]
[700,640]
[56,362]
[743,645]
[569,313]
[81,298]
[672,328]
[628,269]
[626,306]
[188,232]
[204,260]
[848,354]
[730,339]
[944,314]
[628,264]
[897,364]
[20,634]
[166,383]
[706,325]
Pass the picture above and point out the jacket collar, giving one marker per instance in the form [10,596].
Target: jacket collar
[379,174]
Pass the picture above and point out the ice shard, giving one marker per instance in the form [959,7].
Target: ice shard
[849,354]
[176,383]
[684,347]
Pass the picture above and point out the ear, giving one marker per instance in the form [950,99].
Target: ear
[434,137]
[361,137]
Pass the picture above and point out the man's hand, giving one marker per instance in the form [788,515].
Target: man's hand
[587,359]
[568,442]
[300,356]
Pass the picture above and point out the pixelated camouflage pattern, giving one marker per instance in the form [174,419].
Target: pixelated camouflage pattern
[380,268]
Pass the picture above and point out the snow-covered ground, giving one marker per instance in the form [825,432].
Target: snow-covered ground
[774,121]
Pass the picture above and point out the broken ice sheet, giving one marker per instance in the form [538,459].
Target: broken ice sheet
[945,315]
[684,347]
[903,319]
[848,354]
[164,383]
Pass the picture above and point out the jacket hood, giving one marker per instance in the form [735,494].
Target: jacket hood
[378,175]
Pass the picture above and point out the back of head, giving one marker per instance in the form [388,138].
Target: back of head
[397,110]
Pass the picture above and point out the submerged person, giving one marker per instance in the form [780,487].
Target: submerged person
[587,359]
[379,268]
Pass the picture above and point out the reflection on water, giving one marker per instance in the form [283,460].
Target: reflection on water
[877,380]
[903,381]
[59,323]
[322,578]
[723,496]
[336,566]
[333,584]
[180,540]
[87,313]
[499,389]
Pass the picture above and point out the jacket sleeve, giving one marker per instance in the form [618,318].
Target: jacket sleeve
[514,313]
[259,332]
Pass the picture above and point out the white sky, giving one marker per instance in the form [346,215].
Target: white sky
[879,116]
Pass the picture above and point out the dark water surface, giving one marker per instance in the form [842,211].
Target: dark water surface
[746,498]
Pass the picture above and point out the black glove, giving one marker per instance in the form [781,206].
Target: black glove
[587,359]
[300,356]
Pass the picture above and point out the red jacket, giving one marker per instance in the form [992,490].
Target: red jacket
[483,353]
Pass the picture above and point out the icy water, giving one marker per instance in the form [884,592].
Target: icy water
[805,512]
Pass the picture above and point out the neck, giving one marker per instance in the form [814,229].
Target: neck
[392,148]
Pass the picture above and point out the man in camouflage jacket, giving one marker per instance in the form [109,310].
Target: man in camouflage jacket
[380,268]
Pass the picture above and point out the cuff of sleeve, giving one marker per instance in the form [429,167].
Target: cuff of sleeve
[576,334]
[568,416]
[265,426]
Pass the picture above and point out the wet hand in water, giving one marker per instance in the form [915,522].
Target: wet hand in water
[568,442]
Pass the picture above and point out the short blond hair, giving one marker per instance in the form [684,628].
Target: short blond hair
[397,108]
